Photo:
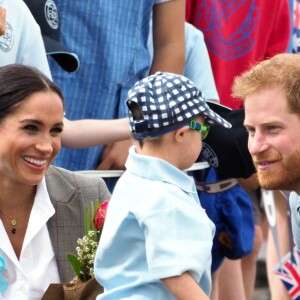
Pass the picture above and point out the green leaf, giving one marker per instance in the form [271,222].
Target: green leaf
[86,220]
[89,215]
[76,266]
[96,206]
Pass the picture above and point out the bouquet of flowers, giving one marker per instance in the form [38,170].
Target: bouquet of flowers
[87,246]
[84,285]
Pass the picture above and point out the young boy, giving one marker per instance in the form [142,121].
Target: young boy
[156,242]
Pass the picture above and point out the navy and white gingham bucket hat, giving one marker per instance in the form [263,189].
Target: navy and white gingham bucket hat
[163,100]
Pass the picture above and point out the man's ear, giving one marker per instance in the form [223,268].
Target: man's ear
[179,133]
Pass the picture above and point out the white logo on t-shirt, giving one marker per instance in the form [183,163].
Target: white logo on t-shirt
[51,14]
[7,39]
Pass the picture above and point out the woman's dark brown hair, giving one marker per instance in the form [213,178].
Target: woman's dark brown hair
[17,83]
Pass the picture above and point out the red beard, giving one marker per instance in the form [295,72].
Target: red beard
[284,176]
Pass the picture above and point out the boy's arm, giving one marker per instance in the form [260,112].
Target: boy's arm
[169,37]
[184,287]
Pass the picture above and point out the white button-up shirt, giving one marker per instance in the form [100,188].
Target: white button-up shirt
[29,277]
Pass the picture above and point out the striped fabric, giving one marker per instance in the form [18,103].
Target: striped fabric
[110,39]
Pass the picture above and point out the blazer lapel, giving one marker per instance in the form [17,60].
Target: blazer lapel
[67,201]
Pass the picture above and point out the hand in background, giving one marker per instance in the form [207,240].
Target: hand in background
[2,20]
[114,156]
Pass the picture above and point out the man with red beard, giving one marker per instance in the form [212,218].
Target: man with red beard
[271,94]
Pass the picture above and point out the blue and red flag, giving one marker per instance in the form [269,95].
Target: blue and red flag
[289,273]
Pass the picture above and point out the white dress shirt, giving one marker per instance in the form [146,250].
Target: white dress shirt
[29,277]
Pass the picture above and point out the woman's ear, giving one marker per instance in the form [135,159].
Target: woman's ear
[179,133]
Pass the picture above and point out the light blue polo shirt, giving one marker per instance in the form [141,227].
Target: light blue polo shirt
[155,228]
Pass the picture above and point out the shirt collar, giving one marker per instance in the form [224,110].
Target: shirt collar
[41,212]
[42,201]
[158,169]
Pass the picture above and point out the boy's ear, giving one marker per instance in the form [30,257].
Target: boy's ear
[179,133]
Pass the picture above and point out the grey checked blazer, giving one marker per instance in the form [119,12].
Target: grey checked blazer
[69,192]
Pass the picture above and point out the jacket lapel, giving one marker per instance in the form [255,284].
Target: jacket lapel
[68,219]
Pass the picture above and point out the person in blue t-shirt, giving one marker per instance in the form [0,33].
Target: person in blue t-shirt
[110,39]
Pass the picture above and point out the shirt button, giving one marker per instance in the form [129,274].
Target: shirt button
[22,290]
[25,254]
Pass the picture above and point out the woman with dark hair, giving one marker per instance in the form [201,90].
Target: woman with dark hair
[21,42]
[41,207]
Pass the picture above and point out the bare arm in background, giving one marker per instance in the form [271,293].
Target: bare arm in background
[169,37]
[89,133]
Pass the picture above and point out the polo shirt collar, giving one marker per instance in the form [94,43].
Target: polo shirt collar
[154,168]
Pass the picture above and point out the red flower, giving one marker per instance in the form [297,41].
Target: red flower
[100,215]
